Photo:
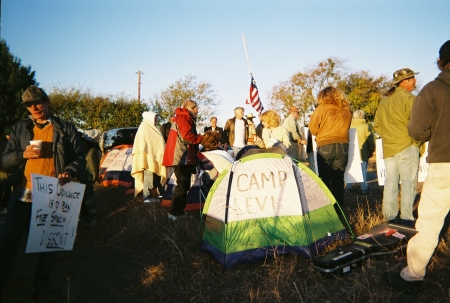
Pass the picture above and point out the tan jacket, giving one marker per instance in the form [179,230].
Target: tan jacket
[330,124]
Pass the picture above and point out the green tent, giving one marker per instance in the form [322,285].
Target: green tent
[265,204]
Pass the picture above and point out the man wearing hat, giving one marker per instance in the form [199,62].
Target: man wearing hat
[429,122]
[60,155]
[295,135]
[400,151]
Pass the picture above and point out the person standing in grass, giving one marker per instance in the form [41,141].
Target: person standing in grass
[61,156]
[400,151]
[181,153]
[148,151]
[366,144]
[429,122]
[330,123]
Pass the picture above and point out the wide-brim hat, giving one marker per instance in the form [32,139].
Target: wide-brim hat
[92,135]
[34,93]
[402,74]
[250,116]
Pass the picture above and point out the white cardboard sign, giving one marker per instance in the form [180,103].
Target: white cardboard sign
[54,214]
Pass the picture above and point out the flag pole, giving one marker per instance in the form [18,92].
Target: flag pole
[246,54]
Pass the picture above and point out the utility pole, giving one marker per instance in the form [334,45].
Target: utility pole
[139,85]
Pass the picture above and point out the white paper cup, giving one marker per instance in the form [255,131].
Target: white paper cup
[37,143]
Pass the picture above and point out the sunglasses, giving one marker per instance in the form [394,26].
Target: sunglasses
[31,103]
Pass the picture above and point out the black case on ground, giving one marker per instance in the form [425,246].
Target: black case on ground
[380,240]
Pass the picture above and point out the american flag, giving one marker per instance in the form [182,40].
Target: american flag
[253,97]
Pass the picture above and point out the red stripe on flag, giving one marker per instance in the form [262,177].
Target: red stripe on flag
[253,97]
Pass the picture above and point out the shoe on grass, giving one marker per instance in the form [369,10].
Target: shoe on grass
[409,223]
[394,280]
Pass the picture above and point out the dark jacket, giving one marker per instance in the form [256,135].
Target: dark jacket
[93,158]
[68,152]
[229,130]
[219,130]
[429,118]
[183,141]
[165,130]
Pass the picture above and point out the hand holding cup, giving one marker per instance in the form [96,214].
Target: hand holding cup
[33,151]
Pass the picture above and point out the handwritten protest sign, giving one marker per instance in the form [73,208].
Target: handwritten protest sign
[381,168]
[54,214]
[123,160]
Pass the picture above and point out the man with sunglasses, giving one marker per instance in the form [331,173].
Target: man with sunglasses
[60,155]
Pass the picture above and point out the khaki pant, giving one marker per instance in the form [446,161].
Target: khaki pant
[433,208]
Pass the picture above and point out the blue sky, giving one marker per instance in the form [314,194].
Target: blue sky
[101,44]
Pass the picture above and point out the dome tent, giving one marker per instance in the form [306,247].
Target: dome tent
[265,204]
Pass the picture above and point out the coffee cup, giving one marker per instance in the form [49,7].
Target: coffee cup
[37,143]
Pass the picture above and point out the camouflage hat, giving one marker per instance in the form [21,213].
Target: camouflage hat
[34,93]
[402,74]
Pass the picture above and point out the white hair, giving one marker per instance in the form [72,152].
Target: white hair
[359,114]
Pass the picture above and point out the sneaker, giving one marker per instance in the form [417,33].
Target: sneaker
[151,200]
[393,279]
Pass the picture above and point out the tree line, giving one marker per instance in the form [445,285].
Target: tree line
[88,110]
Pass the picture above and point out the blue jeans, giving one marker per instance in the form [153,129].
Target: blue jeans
[364,185]
[17,222]
[404,167]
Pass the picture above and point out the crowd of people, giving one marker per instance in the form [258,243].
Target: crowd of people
[403,122]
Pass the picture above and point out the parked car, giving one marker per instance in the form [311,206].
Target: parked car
[117,136]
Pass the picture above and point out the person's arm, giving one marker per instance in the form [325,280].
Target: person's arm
[226,132]
[285,137]
[14,154]
[314,122]
[185,127]
[419,125]
[376,124]
[75,159]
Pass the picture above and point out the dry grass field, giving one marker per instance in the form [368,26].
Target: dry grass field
[134,254]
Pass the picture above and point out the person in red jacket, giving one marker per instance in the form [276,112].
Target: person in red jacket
[181,153]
